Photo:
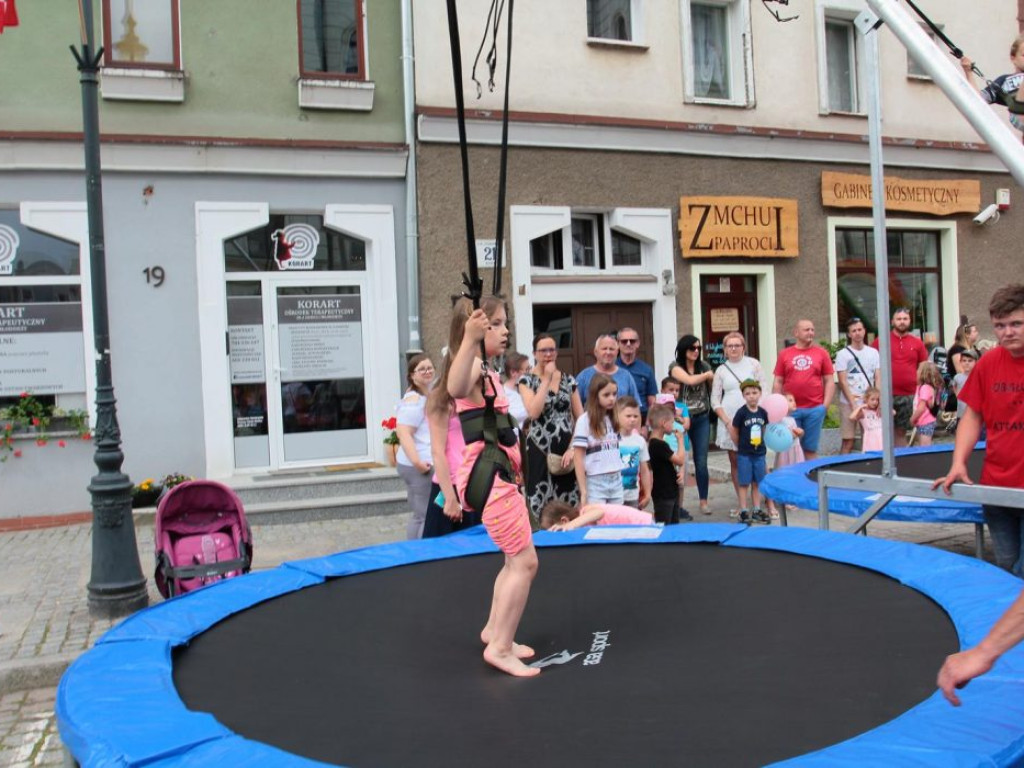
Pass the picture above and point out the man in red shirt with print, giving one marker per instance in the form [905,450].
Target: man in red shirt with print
[994,396]
[805,371]
[907,352]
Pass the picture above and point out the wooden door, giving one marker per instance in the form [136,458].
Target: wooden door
[728,303]
[576,327]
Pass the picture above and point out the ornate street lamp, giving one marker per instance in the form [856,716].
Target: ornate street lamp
[116,585]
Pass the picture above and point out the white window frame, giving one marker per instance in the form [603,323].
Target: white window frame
[741,59]
[636,31]
[331,91]
[946,230]
[845,11]
[604,222]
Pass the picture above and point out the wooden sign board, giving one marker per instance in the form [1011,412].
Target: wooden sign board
[759,227]
[939,198]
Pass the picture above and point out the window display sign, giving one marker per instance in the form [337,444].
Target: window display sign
[41,348]
[320,337]
[765,227]
[9,242]
[245,339]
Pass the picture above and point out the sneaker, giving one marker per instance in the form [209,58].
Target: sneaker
[684,515]
[744,516]
[774,514]
[761,517]
[734,513]
[705,509]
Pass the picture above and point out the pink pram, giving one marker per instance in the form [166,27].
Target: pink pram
[201,536]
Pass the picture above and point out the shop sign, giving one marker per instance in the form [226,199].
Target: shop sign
[759,227]
[321,337]
[8,249]
[939,198]
[41,348]
[295,246]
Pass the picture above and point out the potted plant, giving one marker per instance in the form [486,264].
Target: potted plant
[146,493]
[391,439]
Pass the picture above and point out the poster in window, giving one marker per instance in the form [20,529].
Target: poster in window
[245,339]
[725,319]
[321,337]
[41,348]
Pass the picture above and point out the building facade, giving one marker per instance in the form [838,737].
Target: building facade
[703,167]
[254,163]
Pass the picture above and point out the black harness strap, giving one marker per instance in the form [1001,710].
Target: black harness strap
[954,50]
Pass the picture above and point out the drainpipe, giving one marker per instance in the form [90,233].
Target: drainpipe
[412,232]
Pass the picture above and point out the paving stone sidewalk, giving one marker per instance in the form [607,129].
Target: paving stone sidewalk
[45,623]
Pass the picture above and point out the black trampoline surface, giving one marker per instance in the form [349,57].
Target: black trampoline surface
[689,654]
[916,466]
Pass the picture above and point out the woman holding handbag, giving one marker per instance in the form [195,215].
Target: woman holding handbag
[553,405]
[694,377]
[727,394]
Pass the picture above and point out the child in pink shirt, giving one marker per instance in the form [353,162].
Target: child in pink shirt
[559,516]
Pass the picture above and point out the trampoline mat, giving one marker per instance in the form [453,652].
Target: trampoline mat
[685,654]
[916,466]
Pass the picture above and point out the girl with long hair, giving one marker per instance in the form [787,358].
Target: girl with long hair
[598,464]
[695,377]
[413,462]
[504,512]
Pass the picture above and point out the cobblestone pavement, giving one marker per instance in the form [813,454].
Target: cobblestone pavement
[45,623]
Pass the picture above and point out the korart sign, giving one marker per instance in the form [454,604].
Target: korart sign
[41,348]
[738,226]
[8,249]
[939,198]
[295,246]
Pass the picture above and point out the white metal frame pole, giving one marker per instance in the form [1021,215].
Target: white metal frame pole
[868,25]
[947,76]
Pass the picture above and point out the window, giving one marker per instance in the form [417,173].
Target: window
[141,34]
[717,58]
[294,242]
[610,19]
[840,59]
[331,39]
[914,70]
[594,246]
[914,279]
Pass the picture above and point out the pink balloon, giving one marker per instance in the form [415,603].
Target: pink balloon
[776,405]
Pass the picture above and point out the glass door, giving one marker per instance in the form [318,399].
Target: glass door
[318,382]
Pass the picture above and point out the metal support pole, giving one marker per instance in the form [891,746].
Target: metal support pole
[867,23]
[947,76]
[116,584]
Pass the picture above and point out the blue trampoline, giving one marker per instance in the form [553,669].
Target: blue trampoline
[797,485]
[639,638]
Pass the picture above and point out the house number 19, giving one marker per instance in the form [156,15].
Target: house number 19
[154,276]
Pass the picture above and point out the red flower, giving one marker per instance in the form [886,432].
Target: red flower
[35,421]
[390,423]
[17,453]
[40,441]
[61,443]
[23,394]
[87,435]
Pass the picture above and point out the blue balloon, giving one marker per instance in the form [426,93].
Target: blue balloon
[778,437]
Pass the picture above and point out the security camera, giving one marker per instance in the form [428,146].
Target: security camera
[989,213]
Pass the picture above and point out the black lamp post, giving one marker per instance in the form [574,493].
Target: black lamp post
[116,584]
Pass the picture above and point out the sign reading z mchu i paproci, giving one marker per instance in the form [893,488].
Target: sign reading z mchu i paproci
[738,226]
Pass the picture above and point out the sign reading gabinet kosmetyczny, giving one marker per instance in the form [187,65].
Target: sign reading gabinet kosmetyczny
[759,227]
[41,348]
[939,198]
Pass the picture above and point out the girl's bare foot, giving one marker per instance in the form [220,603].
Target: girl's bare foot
[508,663]
[520,651]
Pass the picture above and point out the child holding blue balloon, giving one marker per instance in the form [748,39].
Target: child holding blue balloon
[747,432]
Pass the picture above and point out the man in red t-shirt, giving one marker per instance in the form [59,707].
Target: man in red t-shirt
[994,395]
[907,352]
[805,371]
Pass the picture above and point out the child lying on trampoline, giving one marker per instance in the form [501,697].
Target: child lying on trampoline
[559,516]
[491,457]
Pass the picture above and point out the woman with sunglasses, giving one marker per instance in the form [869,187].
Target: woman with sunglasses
[553,405]
[695,377]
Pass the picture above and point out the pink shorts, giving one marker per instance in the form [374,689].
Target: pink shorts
[506,519]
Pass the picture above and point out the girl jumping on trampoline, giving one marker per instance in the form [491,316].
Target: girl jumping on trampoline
[492,450]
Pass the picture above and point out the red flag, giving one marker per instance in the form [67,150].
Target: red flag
[8,14]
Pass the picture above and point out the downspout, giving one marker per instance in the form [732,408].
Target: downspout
[412,232]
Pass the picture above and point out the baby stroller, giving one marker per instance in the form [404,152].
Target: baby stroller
[201,536]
